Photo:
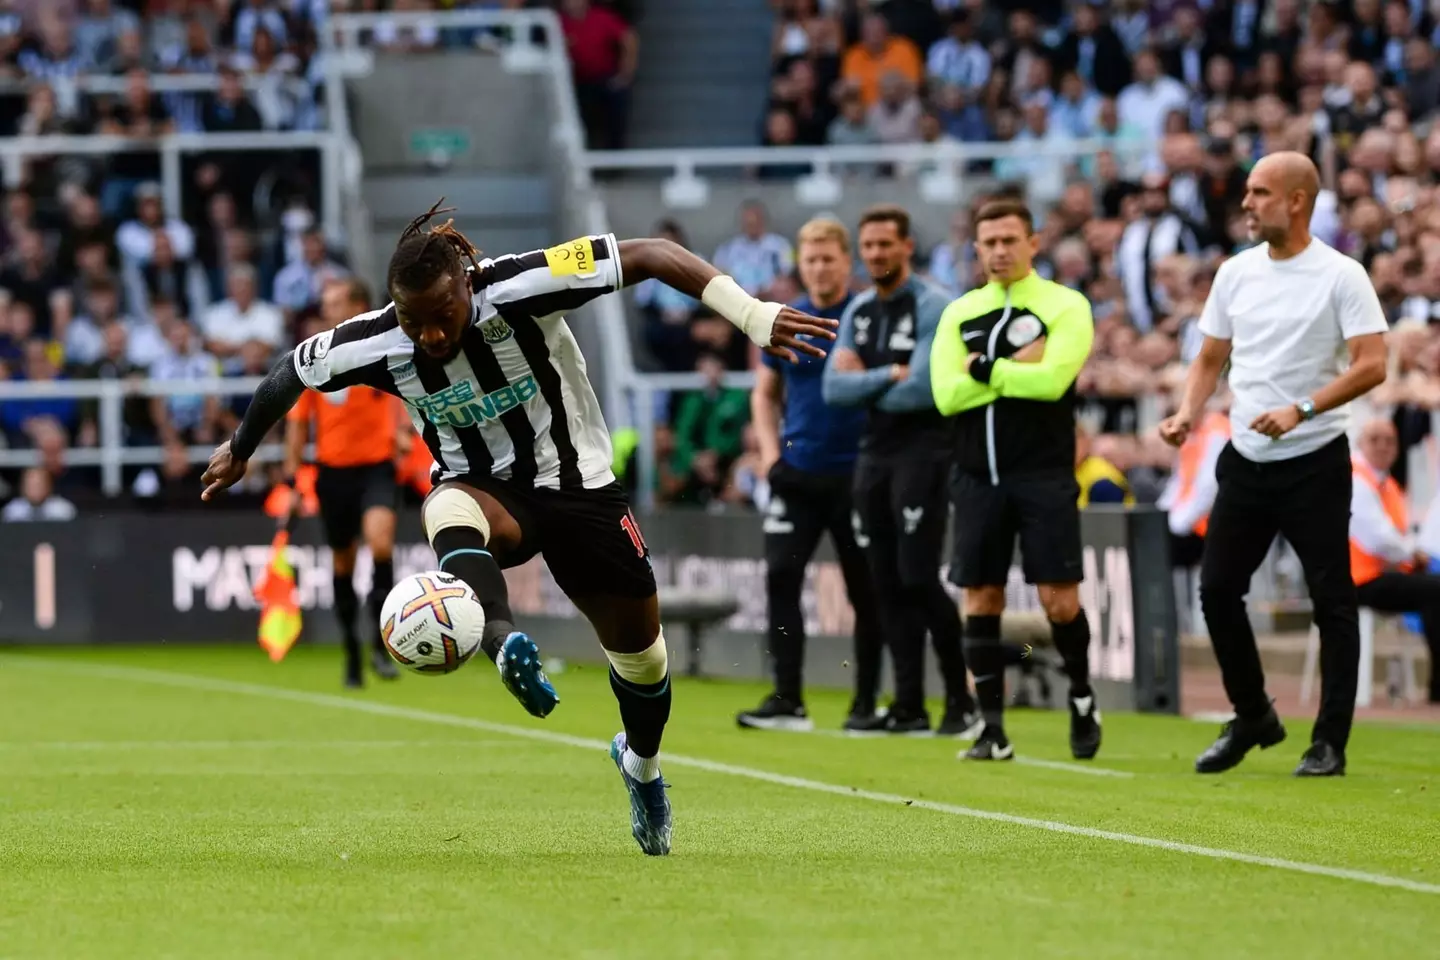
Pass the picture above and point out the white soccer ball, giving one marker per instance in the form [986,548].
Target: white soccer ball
[431,622]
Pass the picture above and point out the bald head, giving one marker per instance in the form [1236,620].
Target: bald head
[1379,444]
[1280,196]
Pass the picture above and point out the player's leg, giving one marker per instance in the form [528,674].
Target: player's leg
[920,498]
[1051,552]
[869,632]
[985,529]
[377,527]
[473,535]
[598,557]
[336,490]
[794,521]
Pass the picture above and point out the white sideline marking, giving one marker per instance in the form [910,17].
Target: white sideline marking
[111,745]
[1061,765]
[191,682]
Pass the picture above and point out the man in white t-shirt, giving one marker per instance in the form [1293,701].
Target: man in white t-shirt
[1284,313]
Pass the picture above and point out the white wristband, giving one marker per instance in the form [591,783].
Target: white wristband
[754,318]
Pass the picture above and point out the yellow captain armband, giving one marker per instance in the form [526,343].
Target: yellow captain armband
[576,258]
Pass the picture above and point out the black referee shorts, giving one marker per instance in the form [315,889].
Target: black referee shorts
[345,493]
[589,538]
[1040,508]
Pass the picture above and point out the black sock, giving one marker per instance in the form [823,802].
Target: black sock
[461,551]
[347,605]
[644,710]
[1072,642]
[986,659]
[381,584]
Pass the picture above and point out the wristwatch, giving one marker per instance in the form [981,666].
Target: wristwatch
[1306,408]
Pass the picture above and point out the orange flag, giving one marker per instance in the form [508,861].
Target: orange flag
[276,594]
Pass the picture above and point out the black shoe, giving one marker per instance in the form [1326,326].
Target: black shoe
[1321,760]
[354,676]
[383,666]
[1239,737]
[864,719]
[990,745]
[961,722]
[1084,727]
[906,721]
[777,713]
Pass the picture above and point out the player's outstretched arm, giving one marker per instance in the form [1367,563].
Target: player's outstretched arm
[774,327]
[273,399]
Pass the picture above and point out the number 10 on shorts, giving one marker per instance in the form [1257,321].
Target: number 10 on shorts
[632,530]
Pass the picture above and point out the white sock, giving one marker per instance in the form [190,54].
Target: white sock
[639,767]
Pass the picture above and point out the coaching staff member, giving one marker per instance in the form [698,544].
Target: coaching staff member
[1004,365]
[881,361]
[813,459]
[1283,314]
[358,432]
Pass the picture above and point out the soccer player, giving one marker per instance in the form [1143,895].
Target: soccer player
[358,434]
[881,362]
[1004,365]
[810,494]
[494,383]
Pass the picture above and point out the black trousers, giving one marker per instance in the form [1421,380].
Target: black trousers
[1307,500]
[803,507]
[1396,592]
[901,510]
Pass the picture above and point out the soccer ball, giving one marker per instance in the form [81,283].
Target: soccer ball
[431,622]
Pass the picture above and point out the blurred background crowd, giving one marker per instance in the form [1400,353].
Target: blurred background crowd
[99,279]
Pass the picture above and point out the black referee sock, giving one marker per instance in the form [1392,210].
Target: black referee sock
[644,710]
[381,583]
[461,551]
[1072,642]
[986,659]
[347,605]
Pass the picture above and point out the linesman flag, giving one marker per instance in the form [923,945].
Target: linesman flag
[276,594]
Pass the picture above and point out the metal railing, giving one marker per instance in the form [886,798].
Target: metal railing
[15,150]
[111,454]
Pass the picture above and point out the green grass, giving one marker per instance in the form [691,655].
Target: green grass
[141,819]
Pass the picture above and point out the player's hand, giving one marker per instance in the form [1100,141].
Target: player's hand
[790,326]
[1276,423]
[1174,430]
[223,471]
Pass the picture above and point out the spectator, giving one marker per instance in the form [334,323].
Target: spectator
[1094,52]
[895,117]
[604,52]
[1155,235]
[852,128]
[22,420]
[755,257]
[1074,110]
[184,418]
[30,277]
[84,339]
[136,238]
[168,277]
[299,282]
[142,115]
[114,364]
[55,59]
[228,109]
[1147,102]
[98,31]
[668,313]
[37,501]
[241,317]
[709,425]
[877,54]
[959,60]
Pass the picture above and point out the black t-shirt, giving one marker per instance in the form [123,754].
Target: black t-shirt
[138,165]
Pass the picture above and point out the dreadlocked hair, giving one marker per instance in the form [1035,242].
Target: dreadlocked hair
[425,254]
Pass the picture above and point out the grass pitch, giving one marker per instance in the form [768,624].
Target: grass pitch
[208,803]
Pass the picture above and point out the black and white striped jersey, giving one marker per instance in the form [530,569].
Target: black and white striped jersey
[516,402]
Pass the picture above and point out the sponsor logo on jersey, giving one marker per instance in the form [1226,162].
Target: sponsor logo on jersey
[571,259]
[459,405]
[404,370]
[496,330]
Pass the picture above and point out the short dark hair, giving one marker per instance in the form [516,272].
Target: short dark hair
[424,255]
[888,213]
[356,290]
[1003,207]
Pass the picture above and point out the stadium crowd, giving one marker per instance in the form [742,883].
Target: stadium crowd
[1214,84]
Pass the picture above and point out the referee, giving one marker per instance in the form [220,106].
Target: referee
[1283,313]
[1004,365]
[811,464]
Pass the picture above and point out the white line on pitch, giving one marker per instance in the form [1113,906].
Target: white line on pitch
[1060,765]
[119,745]
[190,682]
